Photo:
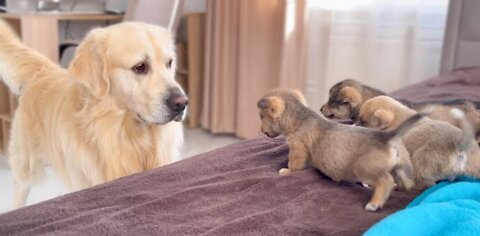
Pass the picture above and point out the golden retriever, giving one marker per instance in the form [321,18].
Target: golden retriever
[109,115]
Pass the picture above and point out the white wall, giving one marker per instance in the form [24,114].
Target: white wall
[194,6]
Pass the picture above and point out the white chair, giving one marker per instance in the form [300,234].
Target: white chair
[166,13]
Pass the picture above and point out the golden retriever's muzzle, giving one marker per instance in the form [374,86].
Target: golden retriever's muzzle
[177,102]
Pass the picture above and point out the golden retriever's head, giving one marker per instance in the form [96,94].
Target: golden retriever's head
[133,64]
[273,107]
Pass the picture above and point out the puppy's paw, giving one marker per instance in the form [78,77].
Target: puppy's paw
[371,207]
[284,171]
[366,185]
[408,185]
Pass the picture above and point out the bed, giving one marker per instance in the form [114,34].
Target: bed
[235,190]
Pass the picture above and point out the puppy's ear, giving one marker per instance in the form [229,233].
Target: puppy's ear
[90,64]
[263,103]
[382,119]
[300,97]
[276,106]
[351,94]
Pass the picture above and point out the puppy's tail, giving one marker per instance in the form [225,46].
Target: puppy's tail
[406,125]
[473,115]
[466,127]
[18,63]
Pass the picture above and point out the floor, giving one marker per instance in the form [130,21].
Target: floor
[196,141]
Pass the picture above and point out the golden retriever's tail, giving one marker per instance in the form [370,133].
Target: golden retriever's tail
[18,63]
[406,125]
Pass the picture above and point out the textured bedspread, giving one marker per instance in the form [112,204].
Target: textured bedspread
[231,191]
[460,84]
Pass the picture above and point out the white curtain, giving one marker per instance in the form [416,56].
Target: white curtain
[383,43]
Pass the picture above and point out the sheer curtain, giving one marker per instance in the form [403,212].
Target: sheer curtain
[384,43]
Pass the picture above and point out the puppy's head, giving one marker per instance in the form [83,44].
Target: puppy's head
[377,113]
[344,98]
[133,64]
[273,107]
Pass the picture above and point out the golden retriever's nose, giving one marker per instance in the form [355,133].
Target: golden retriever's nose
[177,102]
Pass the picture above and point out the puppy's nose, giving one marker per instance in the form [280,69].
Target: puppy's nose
[177,102]
[321,109]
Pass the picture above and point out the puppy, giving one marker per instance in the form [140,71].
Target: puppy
[347,96]
[345,99]
[438,149]
[109,115]
[344,153]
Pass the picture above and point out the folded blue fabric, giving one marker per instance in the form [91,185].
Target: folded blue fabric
[447,208]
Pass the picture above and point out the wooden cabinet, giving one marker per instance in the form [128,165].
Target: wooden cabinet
[40,32]
[190,66]
[8,104]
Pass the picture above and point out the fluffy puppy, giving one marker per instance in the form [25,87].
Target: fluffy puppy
[344,153]
[438,149]
[109,115]
[347,96]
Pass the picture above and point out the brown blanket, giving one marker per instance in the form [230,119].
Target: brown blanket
[461,84]
[231,191]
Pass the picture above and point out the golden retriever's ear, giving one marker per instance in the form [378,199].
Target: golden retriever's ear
[90,65]
[300,97]
[351,94]
[382,119]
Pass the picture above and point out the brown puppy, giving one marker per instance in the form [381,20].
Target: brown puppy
[438,149]
[347,96]
[345,99]
[344,153]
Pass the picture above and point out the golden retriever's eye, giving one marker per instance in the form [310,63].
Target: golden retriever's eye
[140,68]
[169,63]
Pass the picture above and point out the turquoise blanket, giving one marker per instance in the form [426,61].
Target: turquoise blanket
[447,208]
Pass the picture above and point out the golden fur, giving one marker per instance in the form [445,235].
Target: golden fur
[105,117]
[344,153]
[438,149]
